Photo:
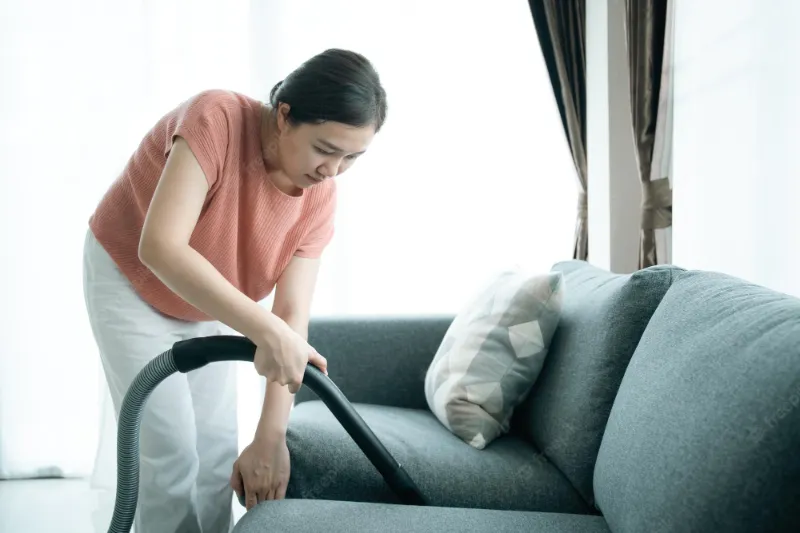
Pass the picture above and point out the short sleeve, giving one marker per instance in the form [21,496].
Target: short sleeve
[204,121]
[321,228]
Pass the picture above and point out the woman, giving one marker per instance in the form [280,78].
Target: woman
[225,200]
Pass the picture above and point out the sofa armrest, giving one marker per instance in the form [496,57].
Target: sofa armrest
[378,360]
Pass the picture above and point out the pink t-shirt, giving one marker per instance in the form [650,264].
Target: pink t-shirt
[248,228]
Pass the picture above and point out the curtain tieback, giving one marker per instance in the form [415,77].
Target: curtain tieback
[656,204]
[583,210]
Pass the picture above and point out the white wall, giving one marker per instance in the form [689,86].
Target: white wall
[613,183]
[736,139]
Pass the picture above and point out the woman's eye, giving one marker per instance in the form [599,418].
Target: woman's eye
[350,157]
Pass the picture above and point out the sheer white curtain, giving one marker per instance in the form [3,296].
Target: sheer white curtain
[82,82]
[471,174]
[736,130]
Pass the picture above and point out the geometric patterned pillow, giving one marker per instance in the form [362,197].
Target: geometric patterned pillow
[492,354]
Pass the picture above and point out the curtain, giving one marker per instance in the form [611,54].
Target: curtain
[648,35]
[561,29]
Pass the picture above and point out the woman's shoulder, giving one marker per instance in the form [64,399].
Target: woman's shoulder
[214,100]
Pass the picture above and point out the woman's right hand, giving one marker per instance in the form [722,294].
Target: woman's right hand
[284,356]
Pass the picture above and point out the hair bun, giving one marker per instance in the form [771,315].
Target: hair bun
[333,86]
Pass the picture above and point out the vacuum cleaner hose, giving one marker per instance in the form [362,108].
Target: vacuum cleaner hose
[192,354]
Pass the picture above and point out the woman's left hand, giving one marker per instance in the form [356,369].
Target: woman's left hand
[262,471]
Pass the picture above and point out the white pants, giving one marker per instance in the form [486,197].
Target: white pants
[188,439]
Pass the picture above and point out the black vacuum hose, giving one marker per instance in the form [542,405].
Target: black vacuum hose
[192,354]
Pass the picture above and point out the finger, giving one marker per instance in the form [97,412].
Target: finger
[280,492]
[294,387]
[318,361]
[251,490]
[263,370]
[251,499]
[283,379]
[237,484]
[270,494]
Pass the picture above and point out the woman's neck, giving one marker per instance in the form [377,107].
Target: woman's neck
[270,153]
[269,140]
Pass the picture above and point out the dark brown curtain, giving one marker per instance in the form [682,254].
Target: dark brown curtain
[646,22]
[560,26]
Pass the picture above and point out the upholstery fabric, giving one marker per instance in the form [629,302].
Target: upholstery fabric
[705,431]
[509,474]
[315,516]
[603,317]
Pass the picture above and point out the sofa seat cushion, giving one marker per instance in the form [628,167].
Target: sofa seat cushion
[508,474]
[313,516]
[705,430]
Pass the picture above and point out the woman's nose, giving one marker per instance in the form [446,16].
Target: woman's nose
[329,169]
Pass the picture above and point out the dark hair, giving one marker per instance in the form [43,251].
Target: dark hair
[335,85]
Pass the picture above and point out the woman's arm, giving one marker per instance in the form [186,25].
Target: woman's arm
[292,303]
[164,248]
[262,471]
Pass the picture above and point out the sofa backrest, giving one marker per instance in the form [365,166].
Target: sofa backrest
[704,433]
[602,319]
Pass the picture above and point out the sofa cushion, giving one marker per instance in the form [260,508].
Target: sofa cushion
[313,516]
[705,430]
[492,354]
[602,319]
[327,464]
[377,359]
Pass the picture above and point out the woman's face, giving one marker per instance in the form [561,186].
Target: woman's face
[312,153]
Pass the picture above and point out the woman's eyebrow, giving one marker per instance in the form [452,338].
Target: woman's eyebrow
[334,147]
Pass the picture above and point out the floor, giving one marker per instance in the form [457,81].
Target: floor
[53,505]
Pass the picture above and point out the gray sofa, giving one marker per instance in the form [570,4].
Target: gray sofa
[669,402]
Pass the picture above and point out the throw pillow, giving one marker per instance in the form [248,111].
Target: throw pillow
[492,354]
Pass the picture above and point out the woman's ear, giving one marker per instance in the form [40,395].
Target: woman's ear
[283,117]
